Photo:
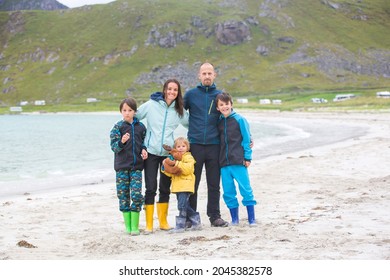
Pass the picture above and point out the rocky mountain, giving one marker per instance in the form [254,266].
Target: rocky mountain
[129,47]
[13,5]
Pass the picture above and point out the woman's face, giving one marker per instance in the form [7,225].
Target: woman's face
[171,92]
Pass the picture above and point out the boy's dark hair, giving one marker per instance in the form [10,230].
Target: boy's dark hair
[179,104]
[130,102]
[224,97]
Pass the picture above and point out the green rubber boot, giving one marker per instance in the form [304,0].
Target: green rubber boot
[134,223]
[127,218]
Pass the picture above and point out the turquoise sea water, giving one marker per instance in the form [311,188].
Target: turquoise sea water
[46,151]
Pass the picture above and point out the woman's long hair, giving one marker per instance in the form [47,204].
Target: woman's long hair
[179,107]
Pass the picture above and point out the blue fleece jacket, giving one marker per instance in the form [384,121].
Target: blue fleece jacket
[235,140]
[203,118]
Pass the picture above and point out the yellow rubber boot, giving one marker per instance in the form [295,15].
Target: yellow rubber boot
[149,211]
[162,214]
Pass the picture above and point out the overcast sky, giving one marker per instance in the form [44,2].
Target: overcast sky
[79,3]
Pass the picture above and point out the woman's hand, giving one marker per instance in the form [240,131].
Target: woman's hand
[144,154]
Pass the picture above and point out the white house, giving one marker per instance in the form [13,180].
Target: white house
[319,100]
[383,94]
[264,101]
[342,97]
[40,102]
[242,100]
[16,109]
[276,101]
[91,100]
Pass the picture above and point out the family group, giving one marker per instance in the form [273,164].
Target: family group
[218,138]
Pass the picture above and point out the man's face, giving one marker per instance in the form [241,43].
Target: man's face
[207,74]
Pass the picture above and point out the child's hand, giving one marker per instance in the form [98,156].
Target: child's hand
[170,162]
[125,138]
[247,163]
[144,154]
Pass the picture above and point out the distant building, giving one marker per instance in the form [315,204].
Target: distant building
[23,103]
[16,109]
[40,102]
[276,101]
[383,94]
[265,101]
[91,100]
[242,100]
[319,100]
[342,97]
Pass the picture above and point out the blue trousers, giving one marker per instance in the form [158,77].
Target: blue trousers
[238,173]
[183,205]
[129,190]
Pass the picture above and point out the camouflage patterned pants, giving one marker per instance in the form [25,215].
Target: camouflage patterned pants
[129,190]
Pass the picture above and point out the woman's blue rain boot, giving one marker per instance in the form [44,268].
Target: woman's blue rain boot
[251,215]
[234,214]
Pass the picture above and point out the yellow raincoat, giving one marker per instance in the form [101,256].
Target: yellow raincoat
[186,181]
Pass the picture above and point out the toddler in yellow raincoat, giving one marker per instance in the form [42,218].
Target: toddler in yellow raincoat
[181,171]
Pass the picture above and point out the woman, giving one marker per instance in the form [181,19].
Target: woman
[163,114]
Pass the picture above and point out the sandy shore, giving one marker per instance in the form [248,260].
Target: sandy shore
[325,197]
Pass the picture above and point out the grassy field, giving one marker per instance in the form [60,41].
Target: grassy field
[101,51]
[364,101]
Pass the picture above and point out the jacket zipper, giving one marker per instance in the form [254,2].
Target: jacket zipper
[207,113]
[163,130]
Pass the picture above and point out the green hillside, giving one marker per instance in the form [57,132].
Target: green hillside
[294,49]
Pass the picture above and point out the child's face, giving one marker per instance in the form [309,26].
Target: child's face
[181,147]
[224,107]
[207,74]
[127,113]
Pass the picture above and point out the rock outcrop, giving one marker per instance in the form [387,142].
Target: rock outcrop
[16,5]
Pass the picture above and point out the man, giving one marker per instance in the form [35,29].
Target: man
[204,138]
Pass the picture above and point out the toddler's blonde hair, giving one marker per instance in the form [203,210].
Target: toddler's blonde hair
[182,140]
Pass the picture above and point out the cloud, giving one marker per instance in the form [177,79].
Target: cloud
[79,3]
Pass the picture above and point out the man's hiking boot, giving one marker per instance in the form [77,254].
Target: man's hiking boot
[219,222]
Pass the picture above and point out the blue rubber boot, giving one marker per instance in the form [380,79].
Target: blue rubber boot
[180,225]
[251,215]
[234,214]
[195,222]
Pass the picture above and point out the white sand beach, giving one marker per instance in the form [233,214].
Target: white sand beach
[325,198]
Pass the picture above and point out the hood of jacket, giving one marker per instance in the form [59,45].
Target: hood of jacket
[157,96]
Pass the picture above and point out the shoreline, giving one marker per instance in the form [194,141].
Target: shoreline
[304,135]
[328,202]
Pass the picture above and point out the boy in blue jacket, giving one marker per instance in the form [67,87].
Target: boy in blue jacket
[235,158]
